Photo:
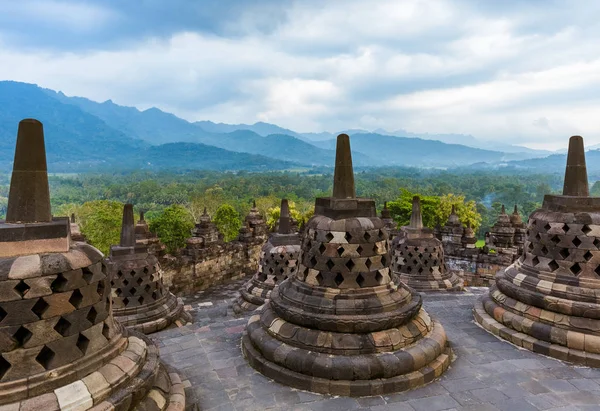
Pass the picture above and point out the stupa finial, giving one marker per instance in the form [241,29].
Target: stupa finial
[29,196]
[142,216]
[516,210]
[253,203]
[576,180]
[284,218]
[127,227]
[416,219]
[204,212]
[343,177]
[503,210]
[72,217]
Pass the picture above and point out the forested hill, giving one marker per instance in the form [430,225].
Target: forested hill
[83,135]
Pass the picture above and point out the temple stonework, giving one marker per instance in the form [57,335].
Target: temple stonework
[254,227]
[140,300]
[344,325]
[61,347]
[144,236]
[278,261]
[547,300]
[418,257]
[76,234]
[388,221]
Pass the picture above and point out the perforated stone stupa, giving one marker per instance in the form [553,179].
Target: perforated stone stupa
[144,236]
[140,300]
[344,325]
[547,301]
[278,260]
[419,257]
[60,347]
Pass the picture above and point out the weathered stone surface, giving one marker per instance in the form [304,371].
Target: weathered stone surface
[418,257]
[140,300]
[547,300]
[344,324]
[144,236]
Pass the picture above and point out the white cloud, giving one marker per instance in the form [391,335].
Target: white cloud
[425,66]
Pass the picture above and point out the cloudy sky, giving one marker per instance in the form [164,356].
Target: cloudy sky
[519,71]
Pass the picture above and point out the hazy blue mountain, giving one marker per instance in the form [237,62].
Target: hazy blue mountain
[260,128]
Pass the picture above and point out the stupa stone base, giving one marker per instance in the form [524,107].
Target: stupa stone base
[452,283]
[157,316]
[252,295]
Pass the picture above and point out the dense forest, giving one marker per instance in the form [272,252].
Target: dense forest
[194,190]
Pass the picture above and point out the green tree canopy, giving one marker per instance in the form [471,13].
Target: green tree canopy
[173,226]
[228,221]
[100,221]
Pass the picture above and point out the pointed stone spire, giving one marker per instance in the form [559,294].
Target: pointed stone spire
[416,219]
[142,217]
[516,210]
[253,203]
[343,177]
[385,213]
[127,227]
[73,218]
[29,197]
[576,180]
[503,210]
[284,218]
[204,212]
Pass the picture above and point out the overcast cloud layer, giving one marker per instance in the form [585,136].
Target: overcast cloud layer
[523,72]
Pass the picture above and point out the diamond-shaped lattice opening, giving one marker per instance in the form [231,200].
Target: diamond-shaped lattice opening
[553,265]
[92,315]
[106,331]
[329,236]
[340,251]
[125,301]
[132,273]
[147,288]
[378,277]
[270,270]
[348,236]
[2,314]
[409,269]
[538,237]
[367,236]
[410,255]
[350,265]
[45,357]
[339,278]
[59,284]
[281,270]
[420,255]
[62,327]
[566,228]
[132,291]
[313,261]
[4,367]
[145,270]
[575,269]
[87,274]
[435,262]
[586,229]
[40,308]
[118,292]
[76,298]
[420,270]
[547,227]
[597,270]
[588,256]
[530,247]
[154,296]
[535,261]
[322,248]
[22,288]
[381,234]
[319,279]
[330,264]
[544,250]
[141,299]
[125,283]
[555,239]
[368,263]
[100,288]
[597,243]
[564,253]
[82,343]
[21,336]
[360,280]
[576,242]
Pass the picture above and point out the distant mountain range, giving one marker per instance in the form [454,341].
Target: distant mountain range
[84,135]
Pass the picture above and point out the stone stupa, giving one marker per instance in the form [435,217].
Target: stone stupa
[344,325]
[278,260]
[419,257]
[548,300]
[60,346]
[144,236]
[140,300]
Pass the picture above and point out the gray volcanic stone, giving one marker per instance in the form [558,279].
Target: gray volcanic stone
[344,324]
[547,300]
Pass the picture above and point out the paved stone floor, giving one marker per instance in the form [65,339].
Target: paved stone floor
[487,374]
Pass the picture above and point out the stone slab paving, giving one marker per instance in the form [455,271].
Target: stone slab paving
[487,374]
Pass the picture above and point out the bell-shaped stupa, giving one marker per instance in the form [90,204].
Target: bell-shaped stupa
[419,257]
[547,301]
[140,300]
[343,324]
[61,347]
